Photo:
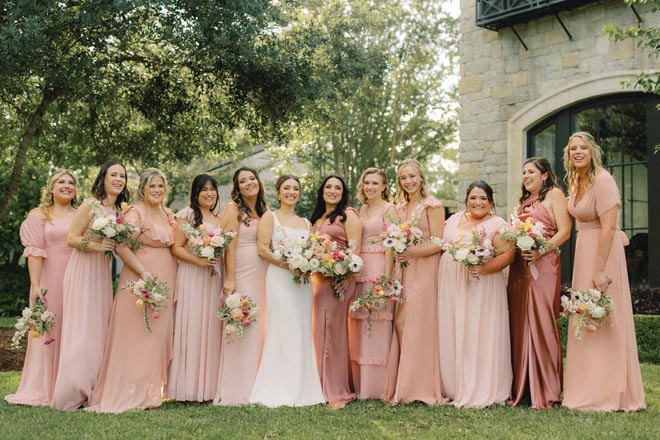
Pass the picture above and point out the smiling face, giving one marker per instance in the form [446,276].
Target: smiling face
[207,196]
[115,180]
[289,193]
[332,191]
[533,179]
[409,179]
[478,204]
[155,191]
[580,154]
[373,186]
[64,189]
[248,184]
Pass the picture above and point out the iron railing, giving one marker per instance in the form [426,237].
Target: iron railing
[496,14]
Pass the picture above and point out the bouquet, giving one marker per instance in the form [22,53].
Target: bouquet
[238,312]
[299,254]
[112,227]
[151,294]
[207,244]
[591,307]
[401,236]
[337,264]
[383,289]
[527,235]
[477,249]
[37,320]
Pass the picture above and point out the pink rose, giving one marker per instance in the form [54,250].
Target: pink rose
[247,322]
[49,341]
[155,315]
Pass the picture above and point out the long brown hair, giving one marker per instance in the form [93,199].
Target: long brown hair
[541,164]
[243,210]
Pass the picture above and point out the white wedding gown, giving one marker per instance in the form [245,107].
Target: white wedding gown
[288,375]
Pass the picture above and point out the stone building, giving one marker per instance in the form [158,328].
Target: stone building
[535,71]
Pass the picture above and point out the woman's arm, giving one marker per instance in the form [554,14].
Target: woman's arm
[264,237]
[229,222]
[180,250]
[353,228]
[608,223]
[76,236]
[559,210]
[129,259]
[505,255]
[436,216]
[391,216]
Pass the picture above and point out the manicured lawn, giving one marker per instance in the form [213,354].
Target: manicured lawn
[361,420]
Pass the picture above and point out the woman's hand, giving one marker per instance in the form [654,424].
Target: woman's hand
[205,262]
[35,294]
[531,255]
[477,270]
[145,275]
[229,286]
[107,245]
[601,280]
[406,255]
[344,285]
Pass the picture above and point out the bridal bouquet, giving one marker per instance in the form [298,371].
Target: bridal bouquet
[300,254]
[590,306]
[36,320]
[474,250]
[151,294]
[207,244]
[238,312]
[383,289]
[401,236]
[337,264]
[527,235]
[112,226]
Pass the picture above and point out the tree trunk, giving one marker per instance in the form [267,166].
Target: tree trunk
[7,197]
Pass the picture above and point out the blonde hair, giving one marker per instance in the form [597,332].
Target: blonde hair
[47,199]
[386,195]
[401,194]
[146,177]
[596,165]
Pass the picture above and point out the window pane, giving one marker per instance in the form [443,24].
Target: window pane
[544,144]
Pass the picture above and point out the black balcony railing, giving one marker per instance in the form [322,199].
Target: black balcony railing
[496,14]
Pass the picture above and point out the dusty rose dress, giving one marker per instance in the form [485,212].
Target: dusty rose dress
[370,347]
[135,361]
[193,373]
[86,313]
[330,328]
[45,239]
[413,371]
[602,368]
[475,357]
[533,309]
[240,358]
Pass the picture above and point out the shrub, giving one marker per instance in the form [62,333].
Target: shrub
[14,289]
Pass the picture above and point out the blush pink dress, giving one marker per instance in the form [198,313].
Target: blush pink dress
[134,371]
[329,326]
[370,346]
[413,371]
[602,368]
[475,355]
[240,358]
[47,240]
[85,316]
[193,373]
[536,355]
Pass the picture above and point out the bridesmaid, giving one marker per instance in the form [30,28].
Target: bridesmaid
[245,274]
[44,233]
[135,361]
[197,330]
[87,292]
[370,345]
[333,217]
[475,357]
[413,371]
[534,302]
[614,381]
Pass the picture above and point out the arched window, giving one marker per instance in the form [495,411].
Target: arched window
[627,127]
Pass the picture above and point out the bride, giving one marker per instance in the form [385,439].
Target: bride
[288,375]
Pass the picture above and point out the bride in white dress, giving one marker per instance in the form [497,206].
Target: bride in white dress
[288,375]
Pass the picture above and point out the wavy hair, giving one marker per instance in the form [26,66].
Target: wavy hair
[385,195]
[243,210]
[340,209]
[401,194]
[195,189]
[98,187]
[145,179]
[541,164]
[47,199]
[595,166]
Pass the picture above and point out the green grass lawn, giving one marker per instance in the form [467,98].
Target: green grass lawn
[360,420]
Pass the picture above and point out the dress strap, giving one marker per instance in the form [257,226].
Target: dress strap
[276,220]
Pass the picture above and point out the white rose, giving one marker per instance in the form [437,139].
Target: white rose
[277,254]
[598,312]
[109,232]
[339,269]
[218,241]
[399,246]
[207,252]
[595,294]
[308,254]
[473,259]
[27,312]
[461,254]
[19,325]
[296,261]
[314,265]
[305,267]
[100,223]
[233,300]
[525,242]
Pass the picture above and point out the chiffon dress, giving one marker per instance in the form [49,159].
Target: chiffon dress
[370,344]
[536,355]
[475,355]
[87,294]
[329,326]
[135,362]
[287,374]
[47,240]
[602,368]
[240,357]
[413,372]
[193,373]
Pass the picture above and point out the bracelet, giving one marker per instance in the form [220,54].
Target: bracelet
[230,278]
[83,243]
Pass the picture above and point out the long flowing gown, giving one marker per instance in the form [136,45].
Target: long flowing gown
[193,373]
[475,355]
[240,358]
[602,368]
[47,240]
[87,294]
[536,355]
[135,361]
[413,371]
[329,327]
[370,344]
[287,373]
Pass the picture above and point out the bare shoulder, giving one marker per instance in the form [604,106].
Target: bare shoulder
[555,194]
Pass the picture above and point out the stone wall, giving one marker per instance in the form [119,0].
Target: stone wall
[505,89]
